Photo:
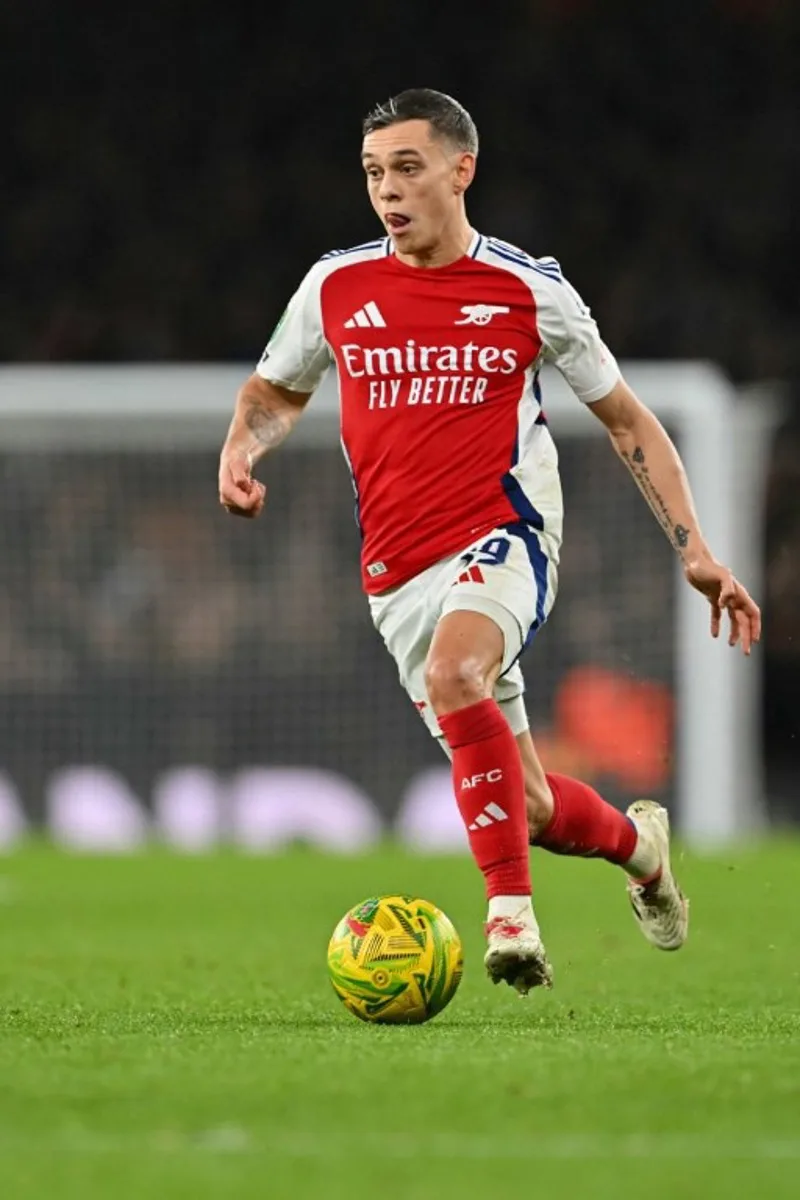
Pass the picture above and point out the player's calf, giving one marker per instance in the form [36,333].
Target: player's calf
[488,781]
[489,788]
[538,796]
[585,825]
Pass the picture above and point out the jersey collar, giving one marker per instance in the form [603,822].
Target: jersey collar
[472,251]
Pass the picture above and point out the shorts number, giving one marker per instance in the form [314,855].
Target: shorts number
[493,553]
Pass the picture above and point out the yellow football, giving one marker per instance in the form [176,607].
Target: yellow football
[395,960]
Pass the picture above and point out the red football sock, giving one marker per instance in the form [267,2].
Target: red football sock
[584,824]
[490,790]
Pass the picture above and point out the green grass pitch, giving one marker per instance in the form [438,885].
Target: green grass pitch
[167,1030]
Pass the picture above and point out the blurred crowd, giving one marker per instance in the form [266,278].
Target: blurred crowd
[141,626]
[125,566]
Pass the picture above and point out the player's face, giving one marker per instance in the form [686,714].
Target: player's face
[416,183]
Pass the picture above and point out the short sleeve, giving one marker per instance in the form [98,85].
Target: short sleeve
[297,354]
[572,341]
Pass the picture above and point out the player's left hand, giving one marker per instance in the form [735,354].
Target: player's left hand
[725,594]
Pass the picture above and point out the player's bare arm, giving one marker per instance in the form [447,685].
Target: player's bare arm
[265,414]
[644,446]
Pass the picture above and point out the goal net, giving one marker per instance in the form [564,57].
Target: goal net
[165,668]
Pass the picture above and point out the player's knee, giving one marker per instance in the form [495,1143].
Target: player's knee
[453,682]
[539,808]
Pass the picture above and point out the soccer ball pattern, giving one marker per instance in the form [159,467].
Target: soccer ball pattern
[395,960]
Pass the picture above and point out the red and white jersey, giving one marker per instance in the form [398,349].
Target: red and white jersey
[441,417]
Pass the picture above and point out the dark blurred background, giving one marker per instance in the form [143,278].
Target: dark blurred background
[170,172]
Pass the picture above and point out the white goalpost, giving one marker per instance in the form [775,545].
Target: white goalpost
[48,414]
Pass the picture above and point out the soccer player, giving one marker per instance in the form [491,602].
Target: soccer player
[437,333]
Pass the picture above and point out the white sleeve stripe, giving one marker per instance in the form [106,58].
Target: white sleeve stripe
[569,335]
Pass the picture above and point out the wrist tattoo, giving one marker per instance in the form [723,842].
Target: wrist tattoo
[635,462]
[267,427]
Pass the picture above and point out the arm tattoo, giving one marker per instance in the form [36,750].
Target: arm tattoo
[267,426]
[678,534]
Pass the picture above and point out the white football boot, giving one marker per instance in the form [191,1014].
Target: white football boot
[658,904]
[516,954]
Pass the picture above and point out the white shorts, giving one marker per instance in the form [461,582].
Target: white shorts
[510,575]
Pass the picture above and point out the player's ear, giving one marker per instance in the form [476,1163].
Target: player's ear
[464,173]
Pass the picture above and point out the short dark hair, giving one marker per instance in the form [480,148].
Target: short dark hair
[448,119]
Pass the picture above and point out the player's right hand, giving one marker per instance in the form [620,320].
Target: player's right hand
[239,493]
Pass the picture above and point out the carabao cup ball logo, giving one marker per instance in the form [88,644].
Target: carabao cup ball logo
[395,960]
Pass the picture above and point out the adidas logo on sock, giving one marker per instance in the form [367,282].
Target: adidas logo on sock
[370,316]
[490,815]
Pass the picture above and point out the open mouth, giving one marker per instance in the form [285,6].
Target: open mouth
[396,221]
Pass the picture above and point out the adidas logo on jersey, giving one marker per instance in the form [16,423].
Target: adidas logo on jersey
[368,317]
[490,816]
[481,314]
